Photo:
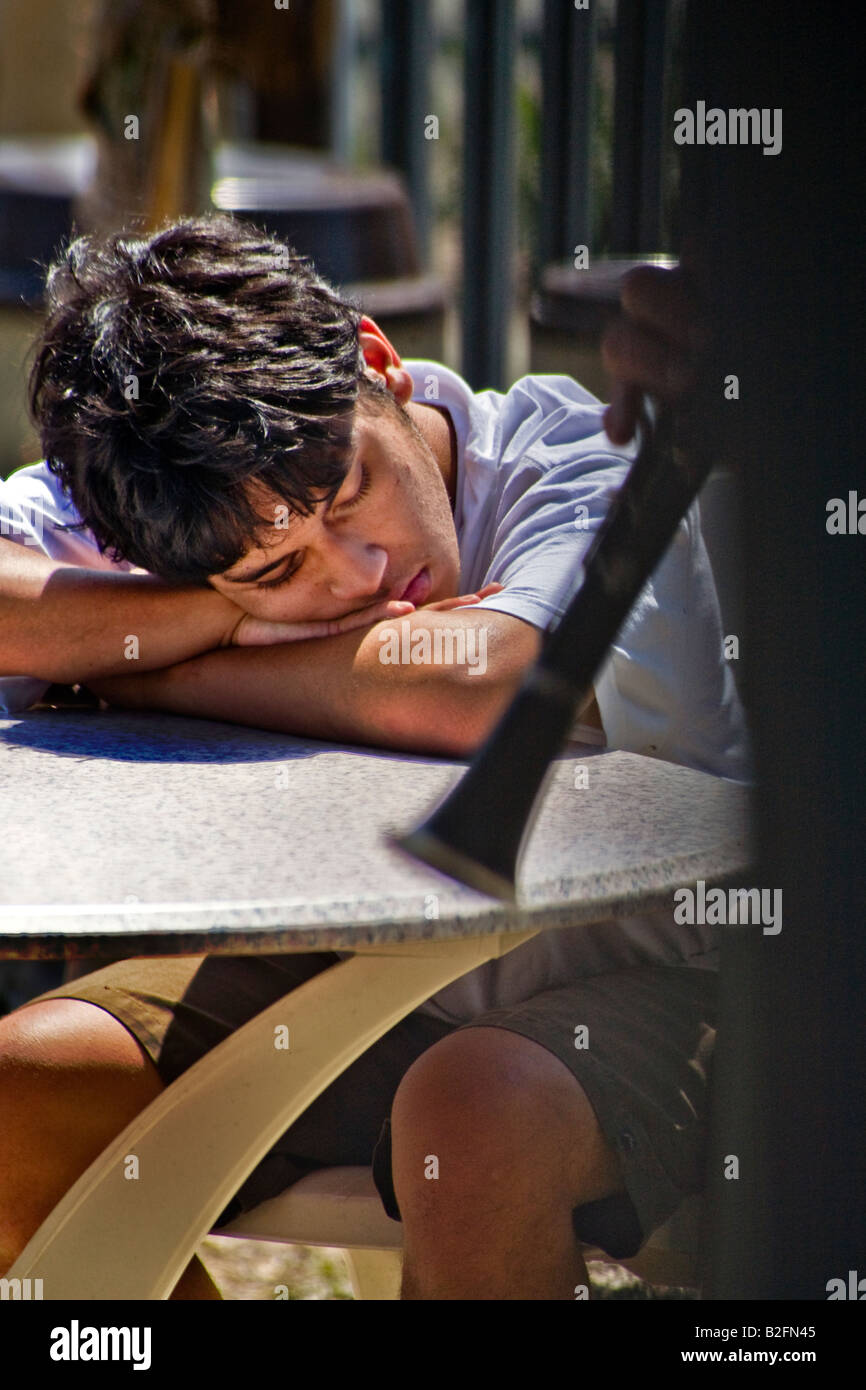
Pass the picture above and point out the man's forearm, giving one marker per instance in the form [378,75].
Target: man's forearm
[341,688]
[65,624]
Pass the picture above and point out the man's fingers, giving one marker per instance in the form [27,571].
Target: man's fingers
[261,632]
[636,356]
[621,416]
[651,347]
[444,605]
[258,632]
[663,301]
[392,608]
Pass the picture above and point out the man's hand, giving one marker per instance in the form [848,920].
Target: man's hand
[653,347]
[446,605]
[67,624]
[346,688]
[261,632]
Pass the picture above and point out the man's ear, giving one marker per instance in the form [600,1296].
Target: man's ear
[383,361]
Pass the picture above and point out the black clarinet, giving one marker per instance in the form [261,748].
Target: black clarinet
[476,834]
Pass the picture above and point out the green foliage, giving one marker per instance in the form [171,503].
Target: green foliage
[528,153]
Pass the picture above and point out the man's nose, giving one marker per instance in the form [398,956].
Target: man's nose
[359,569]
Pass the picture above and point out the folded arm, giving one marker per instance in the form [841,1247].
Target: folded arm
[67,625]
[359,687]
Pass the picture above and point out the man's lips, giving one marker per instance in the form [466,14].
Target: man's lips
[418,590]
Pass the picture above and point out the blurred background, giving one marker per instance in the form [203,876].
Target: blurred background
[397,144]
[477,174]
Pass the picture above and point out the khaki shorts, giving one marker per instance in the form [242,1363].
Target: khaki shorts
[645,1070]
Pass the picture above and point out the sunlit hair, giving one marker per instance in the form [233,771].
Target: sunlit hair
[174,370]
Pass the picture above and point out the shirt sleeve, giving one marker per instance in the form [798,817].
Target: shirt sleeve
[20,523]
[34,511]
[665,689]
[544,531]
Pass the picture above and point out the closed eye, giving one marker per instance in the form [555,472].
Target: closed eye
[363,489]
[290,573]
[285,577]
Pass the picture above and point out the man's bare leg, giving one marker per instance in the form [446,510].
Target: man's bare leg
[71,1078]
[517,1147]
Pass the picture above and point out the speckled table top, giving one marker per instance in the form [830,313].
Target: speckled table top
[171,835]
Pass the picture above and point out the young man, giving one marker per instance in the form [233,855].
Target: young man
[222,420]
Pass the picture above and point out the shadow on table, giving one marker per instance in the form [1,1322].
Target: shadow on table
[121,737]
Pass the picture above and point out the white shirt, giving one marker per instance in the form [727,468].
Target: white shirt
[530,464]
[535,474]
[34,511]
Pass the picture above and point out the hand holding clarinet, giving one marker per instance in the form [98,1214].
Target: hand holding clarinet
[653,346]
[654,355]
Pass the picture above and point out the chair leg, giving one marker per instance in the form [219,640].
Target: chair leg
[376,1274]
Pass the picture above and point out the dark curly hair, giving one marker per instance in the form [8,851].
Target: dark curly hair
[174,370]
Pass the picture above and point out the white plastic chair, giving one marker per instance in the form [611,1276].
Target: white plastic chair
[340,1207]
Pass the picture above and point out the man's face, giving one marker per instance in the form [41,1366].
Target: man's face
[388,534]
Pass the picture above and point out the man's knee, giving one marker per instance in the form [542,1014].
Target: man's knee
[71,1076]
[70,1034]
[489,1105]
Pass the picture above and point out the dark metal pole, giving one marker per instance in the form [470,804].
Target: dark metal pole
[488,190]
[407,50]
[476,834]
[780,266]
[568,44]
[641,27]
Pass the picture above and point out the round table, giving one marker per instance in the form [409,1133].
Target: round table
[146,834]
